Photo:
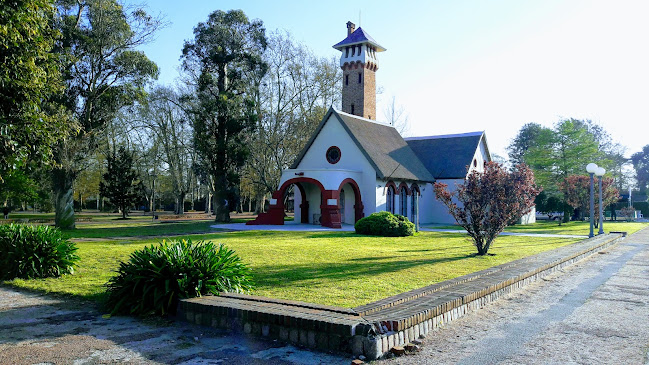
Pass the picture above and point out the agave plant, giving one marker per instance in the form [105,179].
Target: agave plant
[29,252]
[156,277]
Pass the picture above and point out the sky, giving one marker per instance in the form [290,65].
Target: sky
[469,65]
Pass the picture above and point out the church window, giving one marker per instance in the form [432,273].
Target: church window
[403,202]
[352,108]
[360,76]
[346,79]
[389,202]
[346,51]
[333,155]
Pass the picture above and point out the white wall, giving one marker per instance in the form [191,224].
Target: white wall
[352,164]
[436,211]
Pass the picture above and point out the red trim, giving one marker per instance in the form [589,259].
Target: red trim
[414,187]
[404,185]
[358,202]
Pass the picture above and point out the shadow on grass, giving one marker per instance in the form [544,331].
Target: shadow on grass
[283,275]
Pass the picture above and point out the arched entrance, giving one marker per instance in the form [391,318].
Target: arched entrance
[350,196]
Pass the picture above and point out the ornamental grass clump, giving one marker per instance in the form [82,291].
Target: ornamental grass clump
[385,224]
[30,252]
[156,277]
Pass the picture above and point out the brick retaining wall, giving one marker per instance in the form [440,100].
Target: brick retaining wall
[373,329]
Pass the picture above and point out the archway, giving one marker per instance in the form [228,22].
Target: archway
[352,199]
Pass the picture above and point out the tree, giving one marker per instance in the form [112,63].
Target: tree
[120,182]
[103,74]
[29,75]
[489,200]
[225,59]
[163,117]
[640,162]
[526,139]
[576,189]
[397,117]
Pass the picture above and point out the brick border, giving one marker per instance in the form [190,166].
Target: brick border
[373,329]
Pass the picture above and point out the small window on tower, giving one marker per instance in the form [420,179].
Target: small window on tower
[352,108]
[346,51]
[360,77]
[346,79]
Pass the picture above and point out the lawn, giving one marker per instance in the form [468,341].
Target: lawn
[335,268]
[570,228]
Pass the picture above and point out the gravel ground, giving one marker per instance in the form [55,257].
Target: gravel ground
[38,329]
[594,312]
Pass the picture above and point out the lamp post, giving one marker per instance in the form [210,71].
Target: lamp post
[591,168]
[600,172]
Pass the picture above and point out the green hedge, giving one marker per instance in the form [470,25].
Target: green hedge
[156,277]
[385,224]
[29,252]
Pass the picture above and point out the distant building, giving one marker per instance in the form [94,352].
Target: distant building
[354,166]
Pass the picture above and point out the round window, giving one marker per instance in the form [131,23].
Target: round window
[333,154]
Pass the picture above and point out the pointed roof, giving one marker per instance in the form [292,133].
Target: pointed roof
[358,36]
[448,156]
[381,144]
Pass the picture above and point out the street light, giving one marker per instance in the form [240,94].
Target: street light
[600,172]
[591,168]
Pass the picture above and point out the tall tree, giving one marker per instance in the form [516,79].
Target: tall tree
[103,73]
[120,182]
[640,162]
[163,117]
[29,75]
[489,201]
[526,139]
[225,59]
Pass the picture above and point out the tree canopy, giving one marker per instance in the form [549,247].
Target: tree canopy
[225,61]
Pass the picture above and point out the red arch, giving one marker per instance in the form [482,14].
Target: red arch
[414,187]
[403,185]
[358,202]
[287,183]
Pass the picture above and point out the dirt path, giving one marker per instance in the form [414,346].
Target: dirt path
[595,312]
[38,329]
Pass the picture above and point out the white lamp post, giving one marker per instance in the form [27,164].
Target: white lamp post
[591,168]
[600,172]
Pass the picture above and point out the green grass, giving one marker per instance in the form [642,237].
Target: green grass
[570,228]
[335,268]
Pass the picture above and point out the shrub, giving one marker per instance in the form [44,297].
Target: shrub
[385,224]
[29,252]
[156,277]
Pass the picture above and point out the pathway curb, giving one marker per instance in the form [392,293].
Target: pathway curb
[373,329]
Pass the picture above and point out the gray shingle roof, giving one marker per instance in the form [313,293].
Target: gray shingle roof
[358,36]
[381,144]
[446,156]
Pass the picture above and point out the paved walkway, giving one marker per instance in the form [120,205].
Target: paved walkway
[596,312]
[299,227]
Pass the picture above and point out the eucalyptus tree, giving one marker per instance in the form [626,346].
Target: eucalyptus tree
[225,61]
[29,76]
[103,73]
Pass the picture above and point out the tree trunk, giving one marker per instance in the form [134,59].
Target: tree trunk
[62,182]
[261,203]
[180,203]
[221,209]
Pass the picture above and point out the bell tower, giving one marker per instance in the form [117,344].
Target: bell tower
[359,64]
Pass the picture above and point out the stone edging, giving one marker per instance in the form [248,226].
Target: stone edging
[373,329]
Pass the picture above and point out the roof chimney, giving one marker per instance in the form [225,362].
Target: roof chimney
[350,28]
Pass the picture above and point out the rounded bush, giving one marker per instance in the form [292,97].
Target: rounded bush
[29,252]
[156,277]
[385,224]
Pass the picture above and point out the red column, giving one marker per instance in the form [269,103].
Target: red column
[330,213]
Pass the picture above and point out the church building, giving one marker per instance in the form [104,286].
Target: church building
[353,165]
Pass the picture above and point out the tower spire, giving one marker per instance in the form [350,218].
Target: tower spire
[359,64]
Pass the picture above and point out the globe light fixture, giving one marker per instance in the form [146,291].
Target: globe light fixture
[591,168]
[600,172]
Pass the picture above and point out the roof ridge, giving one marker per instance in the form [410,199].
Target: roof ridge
[439,136]
[362,118]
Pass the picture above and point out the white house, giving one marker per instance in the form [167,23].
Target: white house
[354,166]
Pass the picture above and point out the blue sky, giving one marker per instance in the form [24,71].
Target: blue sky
[468,65]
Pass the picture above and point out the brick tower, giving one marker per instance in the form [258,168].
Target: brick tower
[359,64]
